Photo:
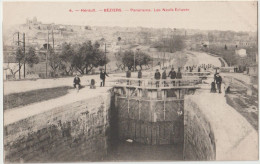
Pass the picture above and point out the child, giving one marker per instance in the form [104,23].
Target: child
[92,84]
[213,87]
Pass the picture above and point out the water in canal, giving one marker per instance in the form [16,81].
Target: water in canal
[125,151]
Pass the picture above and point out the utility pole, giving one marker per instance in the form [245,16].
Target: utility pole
[134,61]
[163,52]
[105,57]
[138,55]
[47,55]
[52,39]
[153,59]
[19,60]
[24,55]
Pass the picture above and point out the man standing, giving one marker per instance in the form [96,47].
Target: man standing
[139,76]
[103,75]
[157,77]
[179,75]
[218,82]
[215,75]
[172,75]
[199,69]
[128,75]
[191,68]
[164,76]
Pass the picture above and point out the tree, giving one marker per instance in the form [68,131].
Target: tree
[31,58]
[119,64]
[141,59]
[171,45]
[55,60]
[19,56]
[88,56]
[12,68]
[67,53]
[128,59]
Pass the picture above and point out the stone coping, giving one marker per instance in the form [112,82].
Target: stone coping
[19,113]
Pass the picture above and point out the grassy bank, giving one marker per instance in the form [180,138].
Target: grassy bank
[26,98]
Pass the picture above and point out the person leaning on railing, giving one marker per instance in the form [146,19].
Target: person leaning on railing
[179,75]
[128,75]
[139,77]
[172,75]
[164,77]
[157,77]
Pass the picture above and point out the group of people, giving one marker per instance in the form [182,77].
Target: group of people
[198,68]
[172,74]
[103,75]
[157,76]
[239,69]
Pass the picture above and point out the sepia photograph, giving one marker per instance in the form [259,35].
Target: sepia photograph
[129,81]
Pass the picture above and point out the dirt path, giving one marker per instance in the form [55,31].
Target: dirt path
[244,98]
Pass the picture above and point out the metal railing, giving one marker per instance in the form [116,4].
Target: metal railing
[199,74]
[189,82]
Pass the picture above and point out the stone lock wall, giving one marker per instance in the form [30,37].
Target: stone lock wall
[213,130]
[74,132]
[199,140]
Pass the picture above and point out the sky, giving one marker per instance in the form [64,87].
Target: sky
[235,16]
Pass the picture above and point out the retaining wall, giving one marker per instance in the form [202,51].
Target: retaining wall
[213,130]
[199,141]
[74,132]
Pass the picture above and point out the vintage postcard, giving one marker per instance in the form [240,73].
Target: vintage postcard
[129,81]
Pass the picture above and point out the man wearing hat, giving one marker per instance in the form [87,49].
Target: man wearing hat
[172,75]
[128,75]
[218,81]
[139,76]
[103,75]
[157,77]
[164,77]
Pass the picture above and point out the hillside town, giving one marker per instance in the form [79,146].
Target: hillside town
[241,45]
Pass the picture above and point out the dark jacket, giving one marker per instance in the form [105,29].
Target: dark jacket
[139,74]
[76,80]
[218,80]
[157,75]
[215,75]
[164,76]
[179,75]
[172,74]
[103,75]
[128,74]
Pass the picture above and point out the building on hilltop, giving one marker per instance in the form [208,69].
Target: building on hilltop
[241,52]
